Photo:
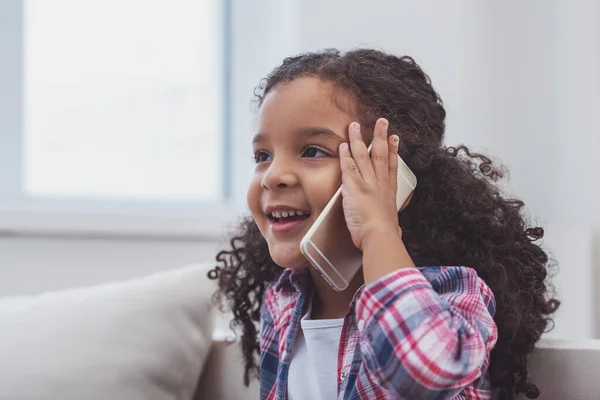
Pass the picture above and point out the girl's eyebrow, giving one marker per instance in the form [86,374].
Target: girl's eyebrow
[259,137]
[312,132]
[309,131]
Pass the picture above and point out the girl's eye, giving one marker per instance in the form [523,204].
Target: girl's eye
[314,152]
[261,156]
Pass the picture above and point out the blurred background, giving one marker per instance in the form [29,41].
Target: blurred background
[125,125]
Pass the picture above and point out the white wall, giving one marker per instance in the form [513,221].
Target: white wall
[31,265]
[519,79]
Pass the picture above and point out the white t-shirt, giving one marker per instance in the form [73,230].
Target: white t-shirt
[313,368]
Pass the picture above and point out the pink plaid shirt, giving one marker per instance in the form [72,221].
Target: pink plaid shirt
[414,334]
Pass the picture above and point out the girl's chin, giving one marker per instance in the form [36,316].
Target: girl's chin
[289,259]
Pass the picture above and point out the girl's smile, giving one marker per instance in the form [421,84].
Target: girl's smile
[284,219]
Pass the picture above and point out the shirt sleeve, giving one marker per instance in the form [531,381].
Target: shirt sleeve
[427,339]
[269,350]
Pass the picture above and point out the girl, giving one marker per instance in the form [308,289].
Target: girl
[398,331]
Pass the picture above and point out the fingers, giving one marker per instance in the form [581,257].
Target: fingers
[379,150]
[350,172]
[360,153]
[392,171]
[381,165]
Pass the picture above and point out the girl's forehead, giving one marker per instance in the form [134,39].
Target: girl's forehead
[303,102]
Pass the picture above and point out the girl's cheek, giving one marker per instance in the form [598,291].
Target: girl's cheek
[324,190]
[253,194]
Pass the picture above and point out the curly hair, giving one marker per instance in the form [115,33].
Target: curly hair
[458,214]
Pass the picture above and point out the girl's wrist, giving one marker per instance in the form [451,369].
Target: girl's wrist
[384,253]
[379,233]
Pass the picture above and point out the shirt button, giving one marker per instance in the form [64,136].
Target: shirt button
[284,355]
[343,375]
[361,325]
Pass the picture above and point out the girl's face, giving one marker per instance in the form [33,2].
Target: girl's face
[297,168]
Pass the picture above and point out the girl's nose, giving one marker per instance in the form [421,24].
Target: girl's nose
[279,175]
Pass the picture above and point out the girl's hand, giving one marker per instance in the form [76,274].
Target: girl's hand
[369,184]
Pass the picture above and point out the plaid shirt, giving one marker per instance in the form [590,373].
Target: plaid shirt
[414,334]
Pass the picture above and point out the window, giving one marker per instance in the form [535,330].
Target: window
[123,99]
[113,117]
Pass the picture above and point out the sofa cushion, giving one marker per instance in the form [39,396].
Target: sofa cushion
[146,338]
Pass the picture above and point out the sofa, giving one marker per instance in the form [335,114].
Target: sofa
[563,370]
[160,337]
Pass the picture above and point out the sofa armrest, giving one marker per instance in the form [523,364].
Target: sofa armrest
[565,369]
[223,375]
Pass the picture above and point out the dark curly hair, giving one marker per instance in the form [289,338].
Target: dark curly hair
[458,215]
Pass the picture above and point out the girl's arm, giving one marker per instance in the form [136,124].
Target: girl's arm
[426,338]
[420,338]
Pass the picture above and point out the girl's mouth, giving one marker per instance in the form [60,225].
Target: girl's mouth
[287,221]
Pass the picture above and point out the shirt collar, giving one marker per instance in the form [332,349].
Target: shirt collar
[293,279]
[299,280]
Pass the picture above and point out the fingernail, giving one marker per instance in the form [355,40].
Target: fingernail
[356,126]
[395,139]
[345,147]
[384,122]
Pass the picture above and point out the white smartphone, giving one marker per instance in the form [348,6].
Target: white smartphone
[328,245]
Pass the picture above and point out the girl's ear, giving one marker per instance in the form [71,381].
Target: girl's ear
[406,202]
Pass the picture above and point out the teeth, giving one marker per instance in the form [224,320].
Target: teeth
[284,214]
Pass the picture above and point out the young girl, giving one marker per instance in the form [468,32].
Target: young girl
[460,325]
